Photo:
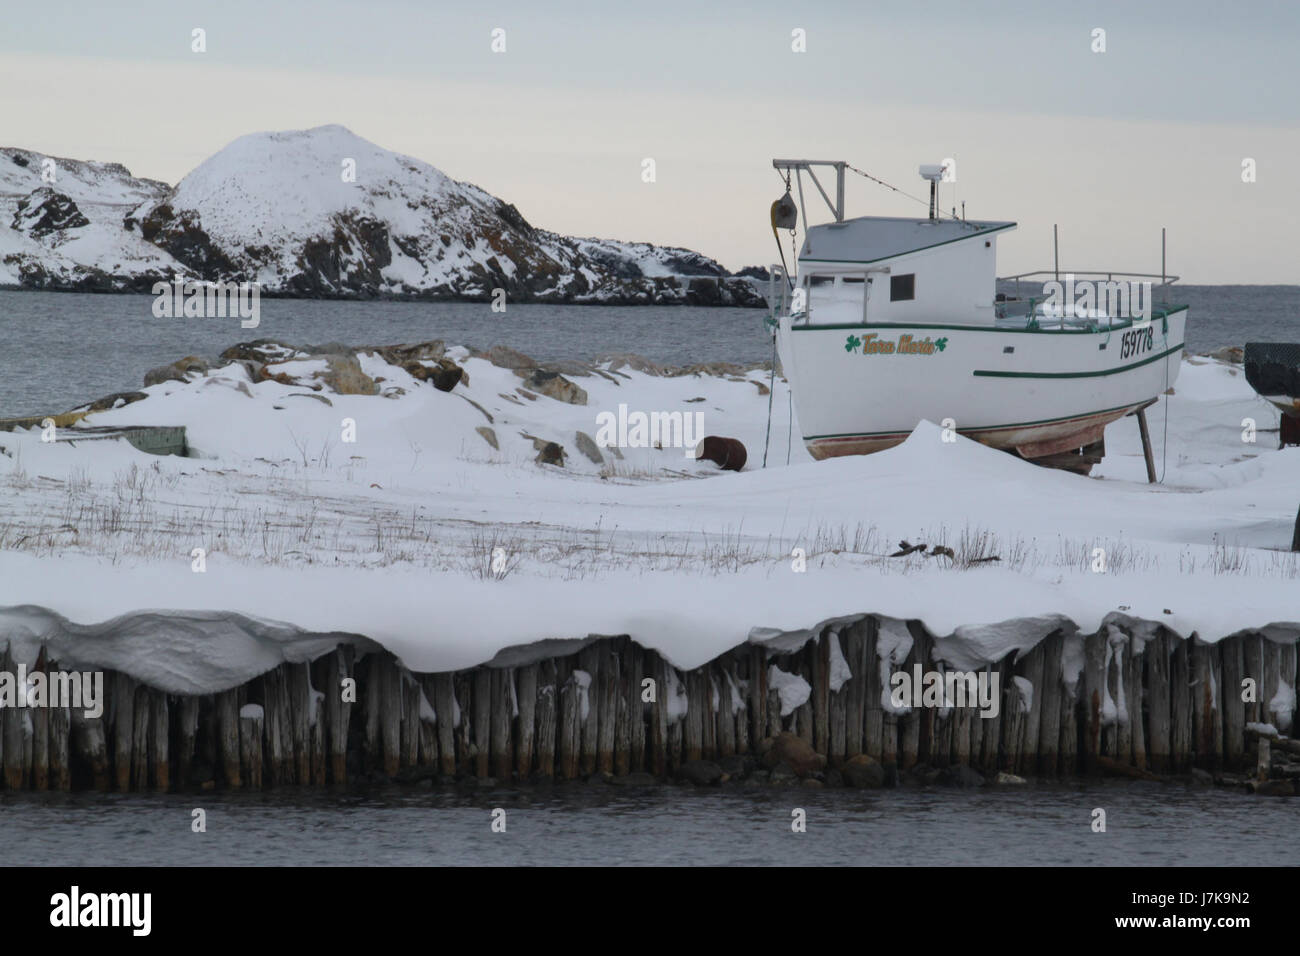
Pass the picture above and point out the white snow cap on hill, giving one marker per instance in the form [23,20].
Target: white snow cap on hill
[320,212]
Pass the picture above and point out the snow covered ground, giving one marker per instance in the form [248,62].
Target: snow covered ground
[422,536]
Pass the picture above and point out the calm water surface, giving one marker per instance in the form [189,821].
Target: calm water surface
[60,349]
[1148,824]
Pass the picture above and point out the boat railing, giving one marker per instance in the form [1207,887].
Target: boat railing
[1114,301]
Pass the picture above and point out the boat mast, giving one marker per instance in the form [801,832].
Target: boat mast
[801,166]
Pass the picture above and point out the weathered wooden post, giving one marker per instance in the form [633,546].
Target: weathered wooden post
[502,718]
[1158,690]
[227,704]
[526,693]
[250,745]
[1180,705]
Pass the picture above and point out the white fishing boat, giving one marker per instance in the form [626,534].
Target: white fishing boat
[892,321]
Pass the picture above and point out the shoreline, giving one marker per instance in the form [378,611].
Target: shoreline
[1132,701]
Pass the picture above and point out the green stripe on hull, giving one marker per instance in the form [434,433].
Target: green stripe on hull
[987,373]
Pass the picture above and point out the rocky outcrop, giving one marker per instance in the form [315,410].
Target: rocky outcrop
[267,209]
[46,211]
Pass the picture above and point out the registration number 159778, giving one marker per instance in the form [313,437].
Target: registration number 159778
[1137,341]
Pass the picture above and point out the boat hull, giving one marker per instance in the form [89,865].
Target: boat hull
[860,389]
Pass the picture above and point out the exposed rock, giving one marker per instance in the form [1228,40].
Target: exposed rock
[637,779]
[551,453]
[1231,354]
[1004,779]
[319,398]
[116,400]
[794,751]
[587,445]
[46,211]
[782,774]
[345,377]
[762,389]
[863,771]
[262,351]
[960,775]
[738,765]
[400,355]
[443,376]
[505,357]
[489,436]
[176,372]
[553,385]
[702,773]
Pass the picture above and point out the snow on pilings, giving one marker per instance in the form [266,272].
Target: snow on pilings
[1129,702]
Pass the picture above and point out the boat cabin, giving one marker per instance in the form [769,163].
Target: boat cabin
[886,270]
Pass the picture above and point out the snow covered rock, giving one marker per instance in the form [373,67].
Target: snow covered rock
[320,213]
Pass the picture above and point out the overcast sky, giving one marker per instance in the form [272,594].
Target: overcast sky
[1112,145]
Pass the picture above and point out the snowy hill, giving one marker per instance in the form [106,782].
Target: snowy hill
[319,212]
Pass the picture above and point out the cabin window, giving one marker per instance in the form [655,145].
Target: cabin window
[854,280]
[819,281]
[902,288]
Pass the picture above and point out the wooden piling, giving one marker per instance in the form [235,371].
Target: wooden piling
[1051,690]
[503,703]
[90,744]
[444,703]
[1207,728]
[123,701]
[1232,659]
[339,668]
[589,659]
[912,728]
[228,737]
[605,696]
[526,683]
[482,721]
[1134,660]
[1180,706]
[758,721]
[853,694]
[820,662]
[140,740]
[159,738]
[1252,653]
[185,728]
[659,719]
[298,682]
[1094,693]
[873,714]
[547,715]
[570,736]
[250,750]
[1158,694]
[39,717]
[274,700]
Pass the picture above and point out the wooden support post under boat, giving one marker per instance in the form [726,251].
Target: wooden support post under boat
[1141,414]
